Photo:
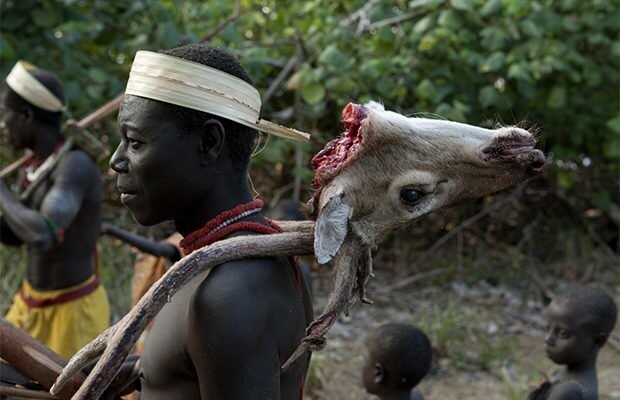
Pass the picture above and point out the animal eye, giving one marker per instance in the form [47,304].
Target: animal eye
[410,196]
[563,334]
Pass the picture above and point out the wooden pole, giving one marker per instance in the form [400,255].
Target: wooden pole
[35,360]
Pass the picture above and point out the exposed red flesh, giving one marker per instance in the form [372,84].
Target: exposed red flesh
[334,156]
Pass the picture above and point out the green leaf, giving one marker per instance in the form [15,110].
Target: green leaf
[557,97]
[614,124]
[463,5]
[426,90]
[313,93]
[531,29]
[424,24]
[425,3]
[519,72]
[333,57]
[490,7]
[449,19]
[494,62]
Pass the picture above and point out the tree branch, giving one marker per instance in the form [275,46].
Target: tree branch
[223,24]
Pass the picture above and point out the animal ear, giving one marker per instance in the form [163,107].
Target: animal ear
[331,228]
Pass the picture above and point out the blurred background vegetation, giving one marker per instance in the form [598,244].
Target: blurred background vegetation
[549,65]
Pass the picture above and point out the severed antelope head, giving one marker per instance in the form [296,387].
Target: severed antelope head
[387,170]
[384,172]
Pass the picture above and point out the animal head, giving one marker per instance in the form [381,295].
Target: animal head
[387,170]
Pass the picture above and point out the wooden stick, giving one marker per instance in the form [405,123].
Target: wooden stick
[35,360]
[16,392]
[100,113]
[17,164]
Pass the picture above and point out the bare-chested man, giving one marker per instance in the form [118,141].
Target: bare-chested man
[61,301]
[187,126]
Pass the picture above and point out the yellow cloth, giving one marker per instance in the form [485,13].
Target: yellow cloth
[65,327]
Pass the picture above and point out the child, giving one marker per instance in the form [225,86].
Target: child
[399,356]
[578,325]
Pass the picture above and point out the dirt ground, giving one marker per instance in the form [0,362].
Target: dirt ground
[487,340]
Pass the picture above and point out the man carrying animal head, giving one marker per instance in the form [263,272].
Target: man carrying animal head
[61,301]
[188,123]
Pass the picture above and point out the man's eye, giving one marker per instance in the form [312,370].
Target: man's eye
[133,143]
[411,196]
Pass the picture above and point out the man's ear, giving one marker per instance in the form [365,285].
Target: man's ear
[212,138]
[28,114]
[379,373]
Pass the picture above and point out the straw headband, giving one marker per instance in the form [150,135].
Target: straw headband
[192,85]
[31,90]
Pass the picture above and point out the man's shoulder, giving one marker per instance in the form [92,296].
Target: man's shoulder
[77,156]
[237,285]
[76,163]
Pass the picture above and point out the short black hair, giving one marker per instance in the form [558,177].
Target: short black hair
[240,139]
[597,303]
[53,84]
[405,352]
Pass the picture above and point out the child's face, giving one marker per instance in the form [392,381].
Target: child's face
[568,340]
[369,372]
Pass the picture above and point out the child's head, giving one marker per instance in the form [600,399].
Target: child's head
[399,356]
[579,323]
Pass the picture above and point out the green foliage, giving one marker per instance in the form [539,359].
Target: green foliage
[554,63]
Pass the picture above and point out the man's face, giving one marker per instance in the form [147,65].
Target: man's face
[156,163]
[16,128]
[568,341]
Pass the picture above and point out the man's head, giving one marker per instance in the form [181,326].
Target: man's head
[399,356]
[166,150]
[578,324]
[20,114]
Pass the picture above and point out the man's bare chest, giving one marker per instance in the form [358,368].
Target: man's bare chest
[165,360]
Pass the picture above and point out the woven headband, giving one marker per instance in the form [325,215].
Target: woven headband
[192,85]
[31,90]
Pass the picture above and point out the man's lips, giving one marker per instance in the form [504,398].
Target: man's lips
[126,194]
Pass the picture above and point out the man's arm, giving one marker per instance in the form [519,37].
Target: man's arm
[231,338]
[43,228]
[159,249]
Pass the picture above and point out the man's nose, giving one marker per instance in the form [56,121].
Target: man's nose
[119,162]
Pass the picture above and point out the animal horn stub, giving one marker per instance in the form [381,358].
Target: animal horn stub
[352,117]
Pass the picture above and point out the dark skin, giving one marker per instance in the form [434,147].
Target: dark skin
[70,197]
[379,381]
[571,343]
[236,327]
